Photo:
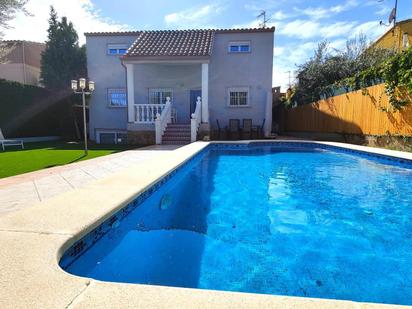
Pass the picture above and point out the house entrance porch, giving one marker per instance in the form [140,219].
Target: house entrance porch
[150,83]
[165,92]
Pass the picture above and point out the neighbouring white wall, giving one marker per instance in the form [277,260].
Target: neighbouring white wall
[28,75]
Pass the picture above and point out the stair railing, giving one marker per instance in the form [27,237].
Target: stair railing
[162,120]
[195,120]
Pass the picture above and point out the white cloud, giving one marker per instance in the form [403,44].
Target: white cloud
[336,29]
[371,29]
[277,51]
[383,11]
[300,52]
[349,4]
[269,5]
[287,60]
[82,13]
[315,13]
[338,44]
[252,7]
[382,8]
[280,15]
[281,78]
[326,12]
[306,29]
[252,24]
[198,17]
[303,29]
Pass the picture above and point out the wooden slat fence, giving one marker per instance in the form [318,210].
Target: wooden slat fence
[351,113]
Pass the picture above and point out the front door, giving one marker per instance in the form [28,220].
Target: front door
[193,98]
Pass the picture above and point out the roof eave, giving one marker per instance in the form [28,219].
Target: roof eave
[165,58]
[246,30]
[241,30]
[114,33]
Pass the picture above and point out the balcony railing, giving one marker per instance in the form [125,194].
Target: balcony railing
[146,113]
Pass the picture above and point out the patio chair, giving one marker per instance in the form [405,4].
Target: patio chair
[247,129]
[221,132]
[9,142]
[234,128]
[258,130]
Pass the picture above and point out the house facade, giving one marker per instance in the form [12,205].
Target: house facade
[148,82]
[21,62]
[398,38]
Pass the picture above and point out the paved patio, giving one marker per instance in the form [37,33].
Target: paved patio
[21,191]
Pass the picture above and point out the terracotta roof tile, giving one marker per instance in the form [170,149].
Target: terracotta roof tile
[172,43]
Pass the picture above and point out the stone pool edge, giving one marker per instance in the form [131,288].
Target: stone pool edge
[34,239]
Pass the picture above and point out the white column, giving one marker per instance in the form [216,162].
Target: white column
[205,93]
[130,92]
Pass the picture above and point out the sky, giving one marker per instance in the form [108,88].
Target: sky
[300,24]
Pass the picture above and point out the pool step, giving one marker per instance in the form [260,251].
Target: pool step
[176,134]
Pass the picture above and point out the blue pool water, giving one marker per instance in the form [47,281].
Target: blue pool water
[285,220]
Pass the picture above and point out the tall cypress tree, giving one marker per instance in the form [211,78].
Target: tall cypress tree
[63,59]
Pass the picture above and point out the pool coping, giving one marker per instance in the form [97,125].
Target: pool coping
[34,239]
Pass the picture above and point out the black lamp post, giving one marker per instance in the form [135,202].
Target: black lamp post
[79,87]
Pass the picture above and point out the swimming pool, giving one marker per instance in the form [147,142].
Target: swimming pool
[285,219]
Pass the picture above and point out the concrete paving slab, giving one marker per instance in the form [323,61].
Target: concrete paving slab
[50,186]
[18,196]
[101,294]
[30,276]
[77,177]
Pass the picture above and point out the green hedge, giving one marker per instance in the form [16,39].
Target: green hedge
[15,98]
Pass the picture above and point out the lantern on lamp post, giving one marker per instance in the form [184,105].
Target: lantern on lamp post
[79,87]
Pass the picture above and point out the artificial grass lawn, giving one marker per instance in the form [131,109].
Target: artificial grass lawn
[42,155]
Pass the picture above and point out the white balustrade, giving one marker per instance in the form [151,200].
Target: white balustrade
[162,119]
[195,120]
[146,113]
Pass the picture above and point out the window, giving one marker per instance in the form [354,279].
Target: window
[159,95]
[239,47]
[117,97]
[112,137]
[239,96]
[405,40]
[116,49]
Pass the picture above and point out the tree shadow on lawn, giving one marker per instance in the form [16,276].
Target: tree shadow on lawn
[69,162]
